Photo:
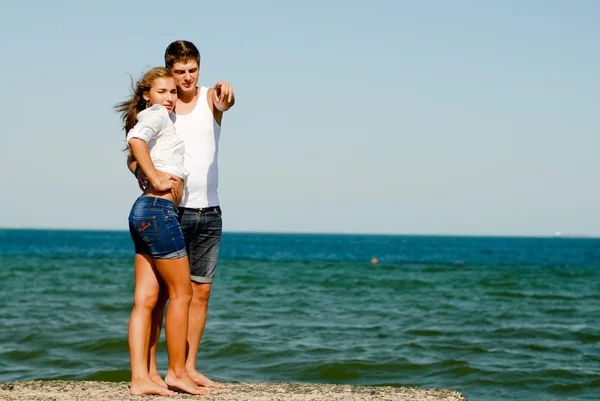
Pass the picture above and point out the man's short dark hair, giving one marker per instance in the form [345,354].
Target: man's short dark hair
[181,51]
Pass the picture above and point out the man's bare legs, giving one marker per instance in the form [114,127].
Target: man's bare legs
[157,320]
[145,298]
[197,321]
[176,276]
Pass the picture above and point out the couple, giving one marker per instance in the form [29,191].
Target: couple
[173,130]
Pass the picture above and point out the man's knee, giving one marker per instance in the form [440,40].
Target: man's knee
[201,292]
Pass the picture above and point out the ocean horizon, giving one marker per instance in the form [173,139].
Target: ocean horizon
[489,235]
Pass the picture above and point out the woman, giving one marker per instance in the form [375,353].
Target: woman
[160,249]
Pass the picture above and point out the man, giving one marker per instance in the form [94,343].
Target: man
[199,113]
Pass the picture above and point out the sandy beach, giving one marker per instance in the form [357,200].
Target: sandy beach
[105,391]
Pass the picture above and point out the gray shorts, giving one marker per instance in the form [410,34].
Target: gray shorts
[202,230]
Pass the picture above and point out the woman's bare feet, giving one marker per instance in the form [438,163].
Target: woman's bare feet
[155,376]
[148,386]
[203,381]
[183,382]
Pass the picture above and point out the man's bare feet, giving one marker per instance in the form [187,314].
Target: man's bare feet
[148,386]
[183,382]
[202,380]
[155,376]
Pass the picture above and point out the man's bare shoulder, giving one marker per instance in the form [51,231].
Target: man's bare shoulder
[210,97]
[210,93]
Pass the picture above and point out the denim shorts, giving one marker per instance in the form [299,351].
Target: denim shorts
[154,228]
[202,230]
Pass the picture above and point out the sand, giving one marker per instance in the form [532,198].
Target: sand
[105,391]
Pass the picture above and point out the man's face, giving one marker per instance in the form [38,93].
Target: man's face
[186,76]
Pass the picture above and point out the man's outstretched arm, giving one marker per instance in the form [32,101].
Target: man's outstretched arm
[220,99]
[223,97]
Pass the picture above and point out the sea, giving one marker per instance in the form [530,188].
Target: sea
[496,318]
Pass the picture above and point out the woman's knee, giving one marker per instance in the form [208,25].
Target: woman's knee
[180,292]
[146,300]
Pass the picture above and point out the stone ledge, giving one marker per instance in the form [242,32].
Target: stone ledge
[109,391]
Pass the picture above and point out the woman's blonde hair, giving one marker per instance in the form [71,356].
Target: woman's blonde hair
[129,109]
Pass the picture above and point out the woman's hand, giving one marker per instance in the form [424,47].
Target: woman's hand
[164,184]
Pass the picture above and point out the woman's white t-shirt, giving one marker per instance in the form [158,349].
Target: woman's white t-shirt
[167,150]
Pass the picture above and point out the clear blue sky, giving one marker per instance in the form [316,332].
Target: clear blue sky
[407,117]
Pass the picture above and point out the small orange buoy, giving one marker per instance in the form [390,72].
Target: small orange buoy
[374,261]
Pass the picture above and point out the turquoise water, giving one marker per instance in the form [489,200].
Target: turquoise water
[494,318]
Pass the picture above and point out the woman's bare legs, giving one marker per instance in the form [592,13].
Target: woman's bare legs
[145,298]
[157,319]
[176,275]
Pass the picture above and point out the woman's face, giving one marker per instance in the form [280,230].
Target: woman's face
[163,92]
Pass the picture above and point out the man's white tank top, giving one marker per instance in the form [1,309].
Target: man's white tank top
[200,133]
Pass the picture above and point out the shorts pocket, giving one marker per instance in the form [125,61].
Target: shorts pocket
[145,227]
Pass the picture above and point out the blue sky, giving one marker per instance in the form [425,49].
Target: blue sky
[428,117]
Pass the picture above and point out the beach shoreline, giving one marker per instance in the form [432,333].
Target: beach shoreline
[58,390]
